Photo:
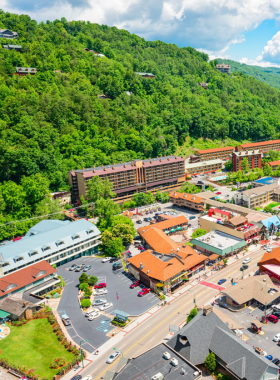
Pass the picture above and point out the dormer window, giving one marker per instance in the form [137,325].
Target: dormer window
[90,231]
[18,258]
[75,236]
[32,253]
[9,287]
[41,273]
[46,247]
[59,242]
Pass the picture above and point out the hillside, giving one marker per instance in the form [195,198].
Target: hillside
[268,75]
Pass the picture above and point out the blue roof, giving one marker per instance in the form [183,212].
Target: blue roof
[45,234]
[266,180]
[272,220]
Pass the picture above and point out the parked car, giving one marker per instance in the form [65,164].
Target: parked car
[113,259]
[87,267]
[221,281]
[106,306]
[80,267]
[77,377]
[276,307]
[113,357]
[143,292]
[139,221]
[192,217]
[106,259]
[91,312]
[135,284]
[99,302]
[200,182]
[100,285]
[276,338]
[189,225]
[276,361]
[73,267]
[140,247]
[87,377]
[93,316]
[269,357]
[117,266]
[218,193]
[99,292]
[272,318]
[247,260]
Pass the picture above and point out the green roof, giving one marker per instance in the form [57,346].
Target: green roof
[3,314]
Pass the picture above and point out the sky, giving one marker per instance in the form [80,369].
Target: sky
[247,31]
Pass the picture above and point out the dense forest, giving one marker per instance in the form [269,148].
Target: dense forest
[55,120]
[268,75]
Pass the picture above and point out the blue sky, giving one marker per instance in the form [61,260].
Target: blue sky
[243,30]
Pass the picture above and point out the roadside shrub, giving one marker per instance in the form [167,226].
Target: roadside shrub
[57,363]
[88,293]
[56,295]
[83,278]
[85,303]
[92,280]
[48,296]
[83,286]
[62,282]
[53,292]
[118,322]
[20,322]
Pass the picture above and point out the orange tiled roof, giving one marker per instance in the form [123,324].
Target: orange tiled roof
[186,196]
[163,216]
[274,163]
[273,255]
[215,150]
[252,145]
[165,224]
[161,270]
[127,213]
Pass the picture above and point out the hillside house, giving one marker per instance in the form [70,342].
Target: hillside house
[12,47]
[22,71]
[145,75]
[6,33]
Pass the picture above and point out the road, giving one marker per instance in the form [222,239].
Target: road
[155,329]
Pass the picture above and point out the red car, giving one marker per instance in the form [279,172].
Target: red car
[140,247]
[100,286]
[17,238]
[143,292]
[218,193]
[135,284]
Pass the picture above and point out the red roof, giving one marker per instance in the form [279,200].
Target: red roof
[274,163]
[215,150]
[222,212]
[25,276]
[259,143]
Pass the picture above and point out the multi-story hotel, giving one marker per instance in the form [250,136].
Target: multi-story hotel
[274,164]
[223,68]
[212,154]
[203,167]
[254,159]
[136,176]
[265,146]
[257,196]
[189,201]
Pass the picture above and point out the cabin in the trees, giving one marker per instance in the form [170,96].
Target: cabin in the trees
[203,85]
[146,75]
[12,47]
[22,71]
[6,33]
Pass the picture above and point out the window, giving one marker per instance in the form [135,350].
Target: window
[18,258]
[45,248]
[90,231]
[5,264]
[32,253]
[59,242]
[75,236]
[11,286]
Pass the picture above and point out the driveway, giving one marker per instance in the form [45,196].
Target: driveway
[118,283]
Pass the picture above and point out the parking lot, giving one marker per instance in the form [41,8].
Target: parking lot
[265,342]
[119,293]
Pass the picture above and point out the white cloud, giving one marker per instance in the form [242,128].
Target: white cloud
[271,51]
[257,62]
[211,25]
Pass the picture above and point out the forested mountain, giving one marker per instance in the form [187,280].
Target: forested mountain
[268,75]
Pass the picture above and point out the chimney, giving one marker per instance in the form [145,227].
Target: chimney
[183,339]
[207,310]
[25,303]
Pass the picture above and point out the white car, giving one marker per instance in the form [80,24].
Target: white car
[106,259]
[106,306]
[91,312]
[246,261]
[276,307]
[94,315]
[113,357]
[99,292]
[100,302]
[87,378]
[269,249]
[276,338]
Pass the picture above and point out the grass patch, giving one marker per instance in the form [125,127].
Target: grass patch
[272,205]
[34,346]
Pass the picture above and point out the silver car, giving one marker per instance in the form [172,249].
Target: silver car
[99,302]
[113,357]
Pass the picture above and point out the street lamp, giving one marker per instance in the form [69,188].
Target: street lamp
[115,348]
[82,353]
[194,300]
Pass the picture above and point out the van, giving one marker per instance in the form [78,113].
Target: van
[273,319]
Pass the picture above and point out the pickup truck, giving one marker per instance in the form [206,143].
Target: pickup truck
[260,351]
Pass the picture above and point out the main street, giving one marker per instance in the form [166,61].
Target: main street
[155,329]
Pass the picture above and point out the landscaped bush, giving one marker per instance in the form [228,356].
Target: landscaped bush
[92,280]
[48,296]
[85,303]
[57,363]
[118,322]
[83,286]
[88,293]
[20,322]
[56,295]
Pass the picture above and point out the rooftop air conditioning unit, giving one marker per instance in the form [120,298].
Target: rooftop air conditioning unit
[158,376]
[174,362]
[166,355]
[196,373]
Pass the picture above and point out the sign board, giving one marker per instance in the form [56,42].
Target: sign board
[174,329]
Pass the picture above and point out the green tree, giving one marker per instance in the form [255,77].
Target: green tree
[85,303]
[164,197]
[83,286]
[189,188]
[267,170]
[92,280]
[105,209]
[245,165]
[83,278]
[98,188]
[125,232]
[225,262]
[198,232]
[142,199]
[277,235]
[36,188]
[112,246]
[228,165]
[192,314]
[210,362]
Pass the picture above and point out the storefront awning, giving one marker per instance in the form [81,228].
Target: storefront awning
[3,314]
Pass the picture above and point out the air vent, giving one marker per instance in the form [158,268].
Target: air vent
[158,376]
[166,355]
[174,362]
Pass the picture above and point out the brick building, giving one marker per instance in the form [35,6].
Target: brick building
[189,201]
[265,146]
[274,164]
[212,154]
[131,177]
[203,167]
[254,159]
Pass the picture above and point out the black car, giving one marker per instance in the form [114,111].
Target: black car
[77,377]
[244,267]
[276,313]
[139,221]
[113,259]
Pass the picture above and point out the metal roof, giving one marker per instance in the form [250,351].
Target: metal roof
[44,234]
[204,163]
